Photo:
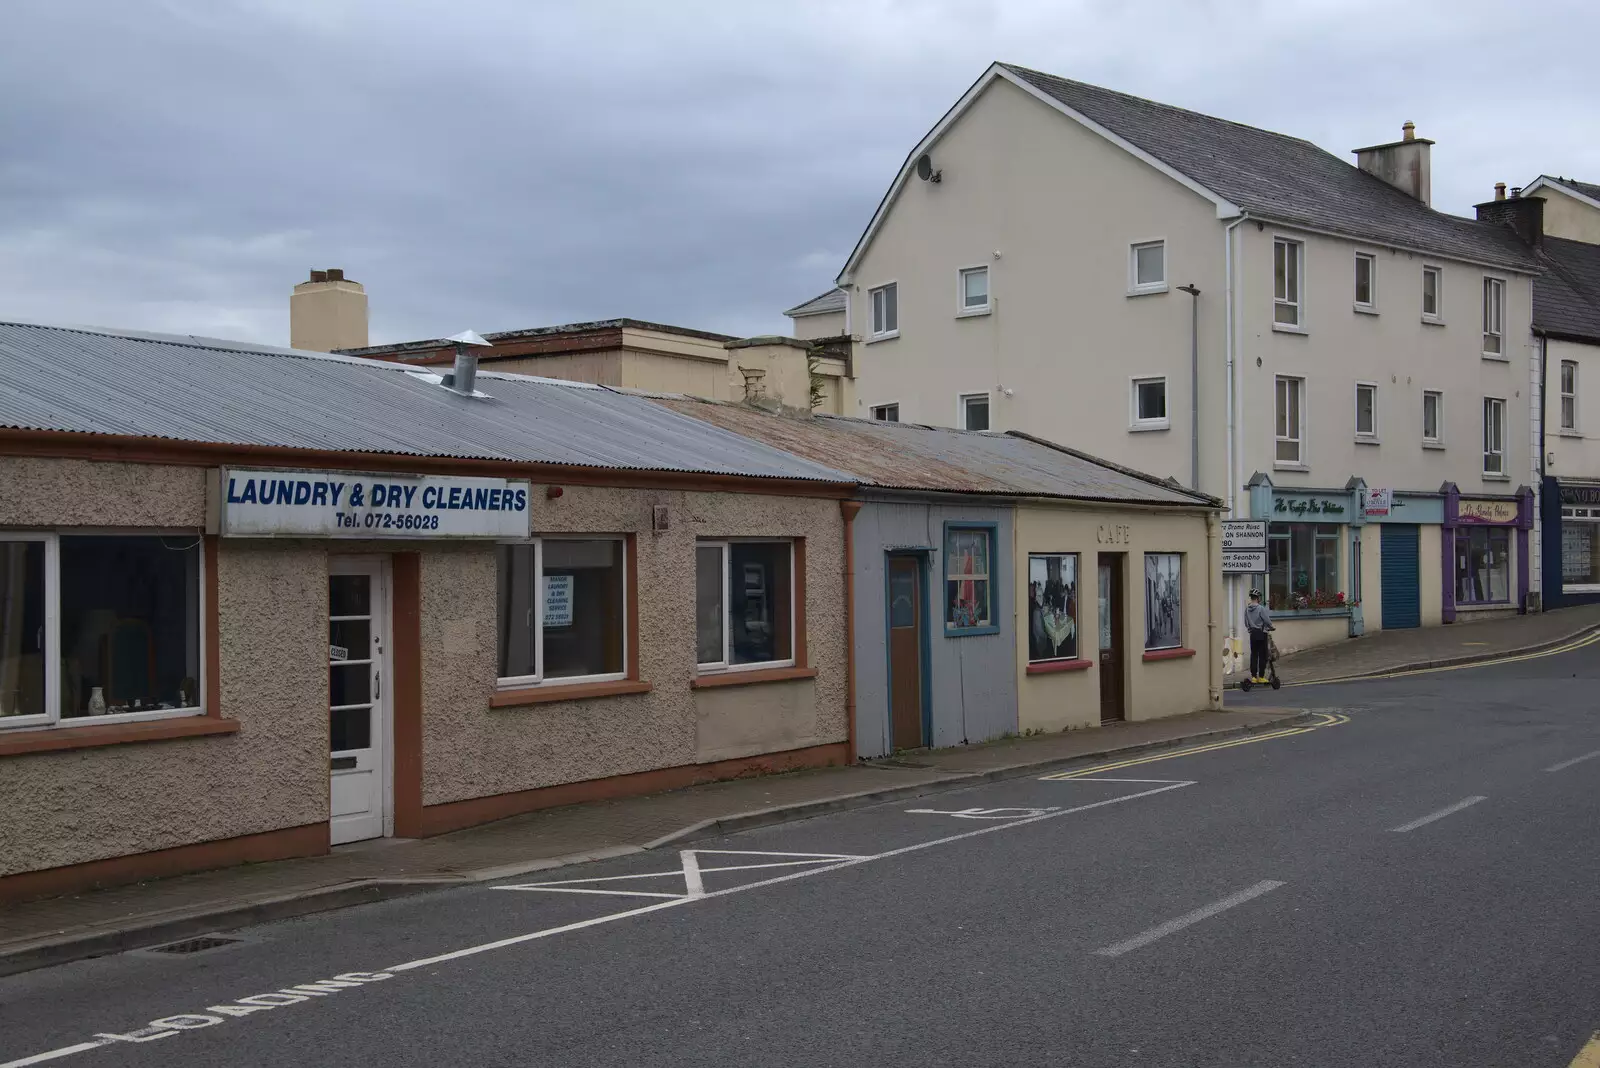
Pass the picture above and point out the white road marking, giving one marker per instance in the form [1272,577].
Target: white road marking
[981,813]
[1448,810]
[1575,760]
[591,890]
[693,885]
[1265,886]
[55,1054]
[1186,782]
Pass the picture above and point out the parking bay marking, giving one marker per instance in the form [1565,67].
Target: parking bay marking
[1189,919]
[825,865]
[1448,810]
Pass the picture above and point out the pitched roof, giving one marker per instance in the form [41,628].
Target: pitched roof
[1566,297]
[196,389]
[1279,177]
[1588,189]
[909,456]
[597,326]
[831,301]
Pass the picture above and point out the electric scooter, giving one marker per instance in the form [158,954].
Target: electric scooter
[1271,677]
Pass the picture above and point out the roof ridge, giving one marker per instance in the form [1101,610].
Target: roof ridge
[1143,476]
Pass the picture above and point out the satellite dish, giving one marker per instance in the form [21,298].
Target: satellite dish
[924,167]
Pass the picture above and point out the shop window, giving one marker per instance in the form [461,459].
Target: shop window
[1580,548]
[1163,600]
[969,591]
[121,640]
[1303,567]
[562,611]
[1483,565]
[1052,606]
[744,608]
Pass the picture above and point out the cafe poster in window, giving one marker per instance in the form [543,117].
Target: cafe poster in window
[967,554]
[1052,606]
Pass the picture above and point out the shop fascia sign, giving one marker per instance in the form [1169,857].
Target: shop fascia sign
[342,504]
[1307,507]
[1488,512]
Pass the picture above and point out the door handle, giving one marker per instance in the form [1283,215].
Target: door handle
[377,684]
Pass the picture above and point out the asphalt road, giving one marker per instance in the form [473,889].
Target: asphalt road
[1416,886]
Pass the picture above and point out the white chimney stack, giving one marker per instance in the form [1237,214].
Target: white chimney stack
[1404,164]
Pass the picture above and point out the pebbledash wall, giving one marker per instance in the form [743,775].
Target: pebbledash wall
[93,803]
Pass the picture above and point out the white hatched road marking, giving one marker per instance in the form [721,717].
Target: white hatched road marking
[1448,810]
[1189,919]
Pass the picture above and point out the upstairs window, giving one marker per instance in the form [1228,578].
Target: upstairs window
[1290,420]
[885,311]
[1494,436]
[1494,312]
[1569,395]
[1366,411]
[1432,278]
[886,413]
[973,291]
[1286,264]
[975,411]
[1149,403]
[1366,281]
[1432,417]
[1147,267]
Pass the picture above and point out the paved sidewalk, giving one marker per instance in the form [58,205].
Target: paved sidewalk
[51,931]
[1401,650]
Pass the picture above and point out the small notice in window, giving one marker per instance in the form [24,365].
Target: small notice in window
[338,652]
[558,600]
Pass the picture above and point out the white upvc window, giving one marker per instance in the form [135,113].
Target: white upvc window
[1494,315]
[885,311]
[1291,427]
[1288,257]
[1494,436]
[972,291]
[563,609]
[1147,267]
[1432,417]
[744,604]
[886,413]
[1148,397]
[973,410]
[100,628]
[1367,412]
[1569,395]
[1366,282]
[1432,294]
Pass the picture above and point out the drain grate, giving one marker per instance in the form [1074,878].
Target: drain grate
[191,946]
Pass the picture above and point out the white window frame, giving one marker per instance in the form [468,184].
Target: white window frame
[961,409]
[1297,248]
[524,682]
[726,664]
[962,308]
[1297,433]
[1436,317]
[874,334]
[1135,421]
[1368,437]
[1494,317]
[885,406]
[1370,305]
[1135,287]
[1567,415]
[51,718]
[1437,441]
[1494,448]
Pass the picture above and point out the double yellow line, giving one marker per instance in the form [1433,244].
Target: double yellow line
[1579,643]
[1324,719]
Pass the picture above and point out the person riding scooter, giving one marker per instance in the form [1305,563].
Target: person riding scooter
[1258,622]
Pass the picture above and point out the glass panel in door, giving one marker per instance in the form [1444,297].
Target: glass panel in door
[355,649]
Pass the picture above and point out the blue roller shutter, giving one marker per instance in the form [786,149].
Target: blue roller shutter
[1402,587]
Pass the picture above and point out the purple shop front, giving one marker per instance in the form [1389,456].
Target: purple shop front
[1484,552]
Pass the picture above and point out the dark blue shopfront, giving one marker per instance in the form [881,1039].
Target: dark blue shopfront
[1401,576]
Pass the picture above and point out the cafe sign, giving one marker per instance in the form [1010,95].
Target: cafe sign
[1487,512]
[1312,508]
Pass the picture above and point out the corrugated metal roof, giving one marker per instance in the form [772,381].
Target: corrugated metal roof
[202,390]
[909,456]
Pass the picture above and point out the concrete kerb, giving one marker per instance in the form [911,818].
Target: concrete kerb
[1455,661]
[212,918]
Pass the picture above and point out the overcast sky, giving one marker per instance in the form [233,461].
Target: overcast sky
[178,165]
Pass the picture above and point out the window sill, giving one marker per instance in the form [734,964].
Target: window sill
[1154,424]
[49,739]
[750,678]
[1487,477]
[1147,291]
[1368,439]
[1285,465]
[1050,667]
[1433,445]
[1311,613]
[1482,606]
[973,313]
[1364,309]
[970,632]
[1568,432]
[1285,328]
[1168,654]
[1433,321]
[1495,357]
[873,339]
[540,695]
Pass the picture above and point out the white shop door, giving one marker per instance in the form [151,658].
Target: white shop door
[358,699]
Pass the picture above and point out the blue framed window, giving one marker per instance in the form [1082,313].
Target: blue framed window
[971,572]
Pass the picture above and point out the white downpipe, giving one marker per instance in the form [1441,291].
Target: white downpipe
[1234,416]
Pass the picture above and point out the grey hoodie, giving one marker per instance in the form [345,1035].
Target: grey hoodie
[1257,618]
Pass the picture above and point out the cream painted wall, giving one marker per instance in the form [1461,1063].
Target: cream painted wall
[1071,699]
[1565,216]
[1573,453]
[811,327]
[1394,349]
[1371,576]
[1431,574]
[600,368]
[1292,635]
[1061,207]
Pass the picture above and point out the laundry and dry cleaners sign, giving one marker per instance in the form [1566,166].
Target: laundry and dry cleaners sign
[338,504]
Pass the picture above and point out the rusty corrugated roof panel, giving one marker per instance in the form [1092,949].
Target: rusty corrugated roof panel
[909,456]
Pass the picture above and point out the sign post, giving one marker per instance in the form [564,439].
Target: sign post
[1244,546]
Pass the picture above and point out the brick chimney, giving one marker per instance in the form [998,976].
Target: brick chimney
[328,312]
[1403,164]
[1523,214]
